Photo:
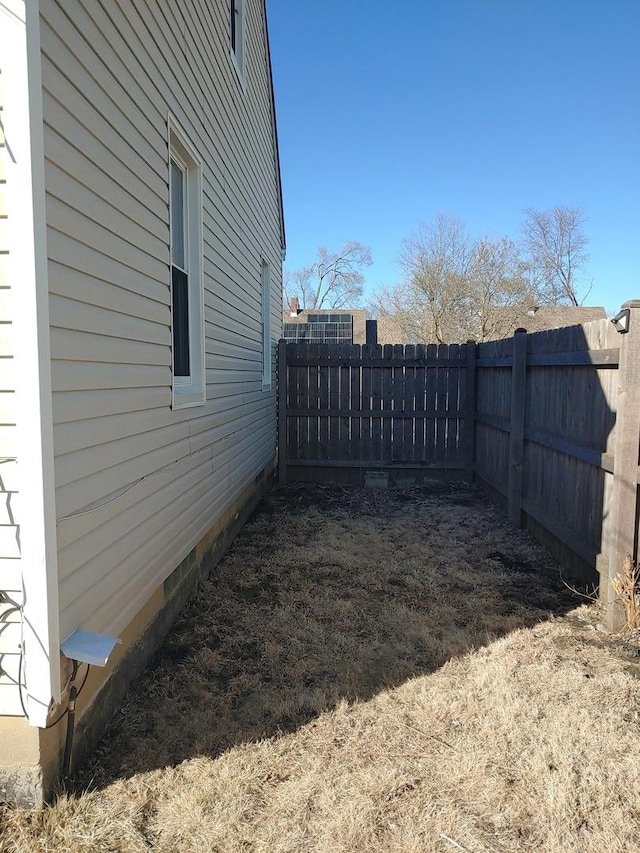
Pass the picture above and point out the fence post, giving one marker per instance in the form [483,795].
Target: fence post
[282,411]
[372,332]
[516,437]
[624,499]
[470,409]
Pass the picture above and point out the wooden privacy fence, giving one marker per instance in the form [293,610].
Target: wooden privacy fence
[550,421]
[344,408]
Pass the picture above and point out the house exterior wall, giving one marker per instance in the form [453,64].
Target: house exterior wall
[139,483]
[29,639]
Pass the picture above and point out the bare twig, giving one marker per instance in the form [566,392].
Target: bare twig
[589,596]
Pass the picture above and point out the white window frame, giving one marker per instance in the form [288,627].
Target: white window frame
[265,285]
[237,9]
[190,390]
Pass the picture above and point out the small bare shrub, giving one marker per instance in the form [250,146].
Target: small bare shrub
[627,587]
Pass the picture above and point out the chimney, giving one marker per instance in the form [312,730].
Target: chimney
[531,307]
[294,306]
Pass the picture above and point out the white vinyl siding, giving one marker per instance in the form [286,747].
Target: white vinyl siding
[138,483]
[10,583]
[265,282]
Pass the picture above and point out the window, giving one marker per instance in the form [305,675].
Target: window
[187,297]
[266,326]
[238,36]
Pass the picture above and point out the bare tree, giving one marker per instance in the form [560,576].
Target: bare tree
[499,288]
[556,245]
[334,280]
[436,260]
[454,287]
[402,313]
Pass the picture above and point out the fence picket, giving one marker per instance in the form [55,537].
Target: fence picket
[387,403]
[409,405]
[334,403]
[441,405]
[314,390]
[366,403]
[431,405]
[397,401]
[355,404]
[420,404]
[376,405]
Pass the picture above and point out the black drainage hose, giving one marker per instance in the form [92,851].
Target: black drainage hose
[68,744]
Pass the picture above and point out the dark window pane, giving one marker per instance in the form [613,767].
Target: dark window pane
[180,322]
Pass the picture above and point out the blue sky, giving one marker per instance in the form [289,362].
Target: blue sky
[391,112]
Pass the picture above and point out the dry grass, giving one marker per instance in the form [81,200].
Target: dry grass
[626,585]
[369,671]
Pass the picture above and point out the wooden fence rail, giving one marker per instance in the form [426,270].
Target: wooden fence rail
[549,421]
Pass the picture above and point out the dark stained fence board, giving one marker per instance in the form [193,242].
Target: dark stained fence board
[409,405]
[314,390]
[577,358]
[355,437]
[303,403]
[379,361]
[366,403]
[293,402]
[468,404]
[387,402]
[420,404]
[323,402]
[282,411]
[345,448]
[398,389]
[441,404]
[400,415]
[373,464]
[452,441]
[516,432]
[561,531]
[334,403]
[430,403]
[376,405]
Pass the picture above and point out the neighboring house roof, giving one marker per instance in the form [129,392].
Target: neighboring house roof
[539,319]
[326,322]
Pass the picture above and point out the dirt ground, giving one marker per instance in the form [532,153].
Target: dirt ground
[369,670]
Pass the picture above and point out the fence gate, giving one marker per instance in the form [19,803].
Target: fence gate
[347,408]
